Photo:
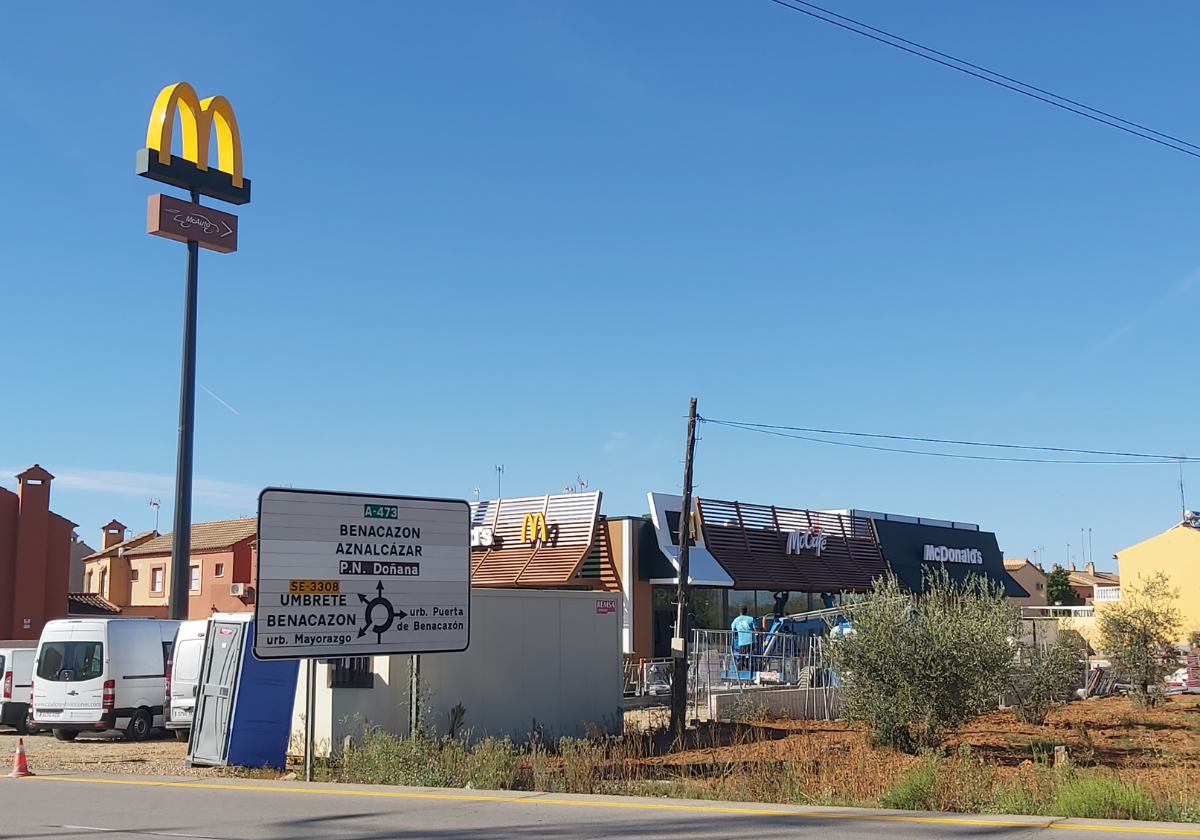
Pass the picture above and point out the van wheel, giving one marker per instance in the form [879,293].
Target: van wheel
[66,734]
[139,726]
[182,734]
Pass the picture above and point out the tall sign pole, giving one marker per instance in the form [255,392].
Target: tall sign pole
[679,644]
[200,227]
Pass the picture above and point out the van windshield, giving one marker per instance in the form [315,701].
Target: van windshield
[71,661]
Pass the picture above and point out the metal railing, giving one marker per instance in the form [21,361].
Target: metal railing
[1106,593]
[772,662]
[647,677]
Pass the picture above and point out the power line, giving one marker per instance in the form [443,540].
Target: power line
[991,76]
[790,432]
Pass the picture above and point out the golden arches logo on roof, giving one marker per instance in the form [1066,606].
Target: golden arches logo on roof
[534,524]
[197,118]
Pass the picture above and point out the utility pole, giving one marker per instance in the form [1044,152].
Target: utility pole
[679,644]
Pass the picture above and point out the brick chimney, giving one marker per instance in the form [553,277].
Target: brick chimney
[29,588]
[114,532]
[1072,567]
[1090,568]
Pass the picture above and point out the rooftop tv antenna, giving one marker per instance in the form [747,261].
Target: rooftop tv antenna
[154,503]
[499,472]
[475,490]
[572,488]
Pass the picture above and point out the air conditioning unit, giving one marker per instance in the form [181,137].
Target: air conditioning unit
[238,590]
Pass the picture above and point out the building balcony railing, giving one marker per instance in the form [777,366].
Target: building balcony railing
[1106,593]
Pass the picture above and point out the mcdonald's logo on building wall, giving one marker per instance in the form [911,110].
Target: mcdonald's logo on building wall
[534,524]
[192,171]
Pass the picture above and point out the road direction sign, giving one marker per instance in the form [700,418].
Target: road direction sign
[349,574]
[182,221]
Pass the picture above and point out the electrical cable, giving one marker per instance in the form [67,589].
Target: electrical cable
[1007,82]
[787,432]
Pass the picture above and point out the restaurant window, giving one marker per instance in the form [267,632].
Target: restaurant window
[219,570]
[194,583]
[156,579]
[351,672]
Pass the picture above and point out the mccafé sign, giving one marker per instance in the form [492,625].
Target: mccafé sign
[942,554]
[812,539]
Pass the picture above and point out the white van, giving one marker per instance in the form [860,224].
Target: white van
[97,674]
[16,681]
[183,675]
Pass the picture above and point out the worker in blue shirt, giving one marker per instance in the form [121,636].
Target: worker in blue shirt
[743,628]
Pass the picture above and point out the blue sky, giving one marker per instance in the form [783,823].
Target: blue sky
[525,233]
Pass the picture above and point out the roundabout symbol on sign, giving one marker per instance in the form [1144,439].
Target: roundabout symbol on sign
[379,601]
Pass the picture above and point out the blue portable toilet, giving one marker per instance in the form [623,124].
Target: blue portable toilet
[243,705]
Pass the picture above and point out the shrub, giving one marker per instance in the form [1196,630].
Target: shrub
[915,666]
[1096,797]
[1138,634]
[914,792]
[1045,675]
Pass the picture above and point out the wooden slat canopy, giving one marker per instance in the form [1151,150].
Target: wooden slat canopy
[519,555]
[750,542]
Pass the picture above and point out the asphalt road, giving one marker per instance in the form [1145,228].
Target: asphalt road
[88,807]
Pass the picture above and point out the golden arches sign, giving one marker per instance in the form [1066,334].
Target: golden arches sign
[197,118]
[534,524]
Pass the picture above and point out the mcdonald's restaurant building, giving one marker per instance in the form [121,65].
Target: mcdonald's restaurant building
[739,554]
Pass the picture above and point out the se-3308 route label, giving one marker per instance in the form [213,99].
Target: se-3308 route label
[346,574]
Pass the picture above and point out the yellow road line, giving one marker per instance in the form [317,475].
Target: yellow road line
[652,806]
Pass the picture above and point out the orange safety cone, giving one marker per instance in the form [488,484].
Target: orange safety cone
[20,765]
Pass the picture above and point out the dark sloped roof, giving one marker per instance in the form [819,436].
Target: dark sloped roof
[206,536]
[88,603]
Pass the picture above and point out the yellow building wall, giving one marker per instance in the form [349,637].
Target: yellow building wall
[1176,552]
[139,590]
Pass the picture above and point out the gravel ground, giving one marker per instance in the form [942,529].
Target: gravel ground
[111,753]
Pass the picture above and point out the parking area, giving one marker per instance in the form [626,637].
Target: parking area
[109,753]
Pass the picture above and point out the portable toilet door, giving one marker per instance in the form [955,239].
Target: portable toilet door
[217,688]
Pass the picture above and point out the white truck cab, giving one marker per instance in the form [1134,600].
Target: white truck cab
[99,674]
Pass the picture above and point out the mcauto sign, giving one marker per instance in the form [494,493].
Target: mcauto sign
[347,574]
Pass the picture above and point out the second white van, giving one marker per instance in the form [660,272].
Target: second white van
[183,676]
[16,681]
[98,674]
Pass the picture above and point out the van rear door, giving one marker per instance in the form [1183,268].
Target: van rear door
[22,675]
[69,685]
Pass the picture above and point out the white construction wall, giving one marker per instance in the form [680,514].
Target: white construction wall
[537,658]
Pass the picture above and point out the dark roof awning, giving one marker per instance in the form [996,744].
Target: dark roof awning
[837,552]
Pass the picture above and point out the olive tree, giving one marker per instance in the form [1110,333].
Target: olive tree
[1138,634]
[914,666]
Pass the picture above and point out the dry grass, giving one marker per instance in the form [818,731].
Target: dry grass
[1123,764]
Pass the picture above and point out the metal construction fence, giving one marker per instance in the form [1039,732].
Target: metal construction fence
[781,673]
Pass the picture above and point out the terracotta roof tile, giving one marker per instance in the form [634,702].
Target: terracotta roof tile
[92,603]
[114,550]
[206,536]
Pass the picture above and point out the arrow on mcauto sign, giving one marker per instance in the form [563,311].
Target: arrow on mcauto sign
[369,623]
[183,221]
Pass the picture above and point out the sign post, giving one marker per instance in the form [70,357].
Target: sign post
[350,574]
[198,227]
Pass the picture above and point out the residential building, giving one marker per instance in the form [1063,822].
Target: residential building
[79,550]
[109,576]
[221,571]
[35,557]
[1085,582]
[1032,579]
[1176,552]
